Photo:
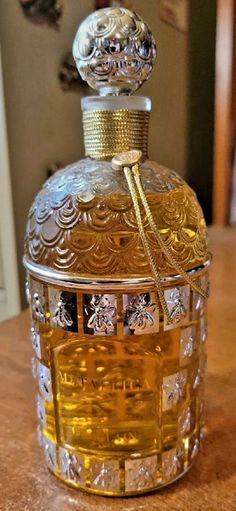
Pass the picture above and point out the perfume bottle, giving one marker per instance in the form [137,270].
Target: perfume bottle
[117,280]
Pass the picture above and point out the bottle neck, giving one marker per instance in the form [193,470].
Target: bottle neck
[114,125]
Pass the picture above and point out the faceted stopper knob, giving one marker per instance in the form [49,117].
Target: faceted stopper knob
[114,51]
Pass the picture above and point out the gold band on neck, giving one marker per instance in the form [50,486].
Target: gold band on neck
[110,132]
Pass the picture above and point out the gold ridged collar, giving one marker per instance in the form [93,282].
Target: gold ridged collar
[110,132]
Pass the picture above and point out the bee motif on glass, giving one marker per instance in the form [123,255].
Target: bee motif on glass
[100,314]
[185,421]
[198,301]
[141,314]
[71,466]
[140,473]
[178,309]
[105,475]
[61,316]
[203,329]
[41,411]
[35,337]
[63,309]
[174,389]
[189,348]
[38,308]
[177,300]
[171,463]
[45,382]
[50,453]
[195,449]
[187,344]
[198,375]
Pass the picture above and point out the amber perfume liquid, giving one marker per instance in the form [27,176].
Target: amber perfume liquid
[120,410]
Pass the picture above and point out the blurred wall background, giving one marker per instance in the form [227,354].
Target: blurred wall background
[44,123]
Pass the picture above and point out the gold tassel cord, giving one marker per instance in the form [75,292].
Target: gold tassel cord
[165,249]
[156,276]
[129,162]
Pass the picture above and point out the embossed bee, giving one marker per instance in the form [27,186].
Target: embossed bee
[72,468]
[195,449]
[41,410]
[103,312]
[35,337]
[45,382]
[176,389]
[145,478]
[203,329]
[140,310]
[199,302]
[37,307]
[61,316]
[178,309]
[172,463]
[198,378]
[185,421]
[50,453]
[105,477]
[189,348]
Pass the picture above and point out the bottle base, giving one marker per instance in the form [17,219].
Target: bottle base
[120,493]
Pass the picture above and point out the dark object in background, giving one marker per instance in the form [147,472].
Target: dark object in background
[201,101]
[68,74]
[41,11]
[101,4]
[53,167]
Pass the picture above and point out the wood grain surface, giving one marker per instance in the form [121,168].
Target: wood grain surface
[26,485]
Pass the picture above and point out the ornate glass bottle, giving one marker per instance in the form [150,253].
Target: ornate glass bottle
[117,283]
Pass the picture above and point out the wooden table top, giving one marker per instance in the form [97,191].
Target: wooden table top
[25,483]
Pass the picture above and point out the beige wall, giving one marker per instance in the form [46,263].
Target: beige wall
[44,123]
[168,89]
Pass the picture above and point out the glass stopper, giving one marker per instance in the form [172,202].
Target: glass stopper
[114,51]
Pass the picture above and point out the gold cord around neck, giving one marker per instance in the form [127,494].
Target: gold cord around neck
[110,132]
